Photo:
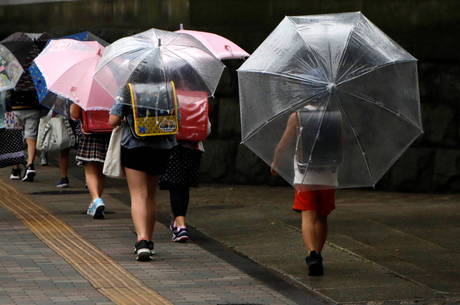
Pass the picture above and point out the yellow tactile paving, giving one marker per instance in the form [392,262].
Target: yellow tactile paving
[106,275]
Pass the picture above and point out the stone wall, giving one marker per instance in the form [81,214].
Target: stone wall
[428,29]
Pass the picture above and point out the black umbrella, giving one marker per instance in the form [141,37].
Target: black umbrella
[25,47]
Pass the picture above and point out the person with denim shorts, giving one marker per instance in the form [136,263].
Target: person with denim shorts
[25,106]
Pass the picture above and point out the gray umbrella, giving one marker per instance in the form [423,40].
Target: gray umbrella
[329,101]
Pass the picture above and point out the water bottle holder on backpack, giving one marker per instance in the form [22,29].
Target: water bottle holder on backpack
[159,124]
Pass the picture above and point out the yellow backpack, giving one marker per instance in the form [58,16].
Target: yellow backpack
[154,109]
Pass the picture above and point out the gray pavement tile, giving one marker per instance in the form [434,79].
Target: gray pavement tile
[390,226]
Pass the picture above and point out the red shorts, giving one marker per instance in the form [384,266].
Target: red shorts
[322,201]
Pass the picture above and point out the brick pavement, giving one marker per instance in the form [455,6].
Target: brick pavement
[380,250]
[32,273]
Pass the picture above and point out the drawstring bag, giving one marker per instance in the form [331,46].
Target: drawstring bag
[154,109]
[194,111]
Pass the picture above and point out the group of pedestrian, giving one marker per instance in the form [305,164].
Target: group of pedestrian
[165,162]
[147,163]
[169,164]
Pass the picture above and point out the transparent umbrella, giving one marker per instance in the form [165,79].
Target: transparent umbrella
[158,57]
[329,101]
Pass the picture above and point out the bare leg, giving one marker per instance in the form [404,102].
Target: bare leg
[94,179]
[31,151]
[180,221]
[321,231]
[314,230]
[64,162]
[142,190]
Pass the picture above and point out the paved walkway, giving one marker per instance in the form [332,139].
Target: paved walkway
[384,248]
[52,253]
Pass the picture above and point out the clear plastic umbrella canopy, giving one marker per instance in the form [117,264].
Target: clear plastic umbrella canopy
[10,69]
[158,57]
[329,101]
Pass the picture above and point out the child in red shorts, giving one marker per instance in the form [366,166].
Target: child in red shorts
[314,198]
[314,206]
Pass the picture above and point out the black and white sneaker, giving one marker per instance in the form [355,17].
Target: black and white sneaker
[30,173]
[144,250]
[15,173]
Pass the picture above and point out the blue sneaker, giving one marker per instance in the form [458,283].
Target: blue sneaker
[63,183]
[180,235]
[96,209]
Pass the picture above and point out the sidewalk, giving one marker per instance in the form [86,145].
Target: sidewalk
[384,248]
[52,253]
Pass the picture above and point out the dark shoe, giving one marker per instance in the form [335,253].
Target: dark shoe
[30,173]
[180,235]
[144,250]
[63,183]
[315,264]
[15,173]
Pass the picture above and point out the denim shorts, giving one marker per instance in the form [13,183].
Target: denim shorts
[29,119]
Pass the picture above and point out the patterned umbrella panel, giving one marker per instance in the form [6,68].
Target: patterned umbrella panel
[25,47]
[10,69]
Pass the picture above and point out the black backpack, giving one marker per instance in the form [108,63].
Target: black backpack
[321,148]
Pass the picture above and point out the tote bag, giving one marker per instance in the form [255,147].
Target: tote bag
[54,133]
[112,164]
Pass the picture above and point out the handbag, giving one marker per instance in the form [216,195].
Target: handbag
[95,121]
[55,133]
[12,148]
[112,163]
[194,111]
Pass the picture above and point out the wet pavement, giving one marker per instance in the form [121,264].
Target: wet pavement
[383,248]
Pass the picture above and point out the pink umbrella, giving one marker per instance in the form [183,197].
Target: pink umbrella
[221,47]
[68,66]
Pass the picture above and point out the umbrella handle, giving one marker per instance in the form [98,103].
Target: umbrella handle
[74,95]
[229,48]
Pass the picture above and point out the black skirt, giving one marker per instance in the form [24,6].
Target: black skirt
[145,159]
[183,168]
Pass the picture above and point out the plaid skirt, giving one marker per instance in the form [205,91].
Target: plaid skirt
[183,168]
[92,147]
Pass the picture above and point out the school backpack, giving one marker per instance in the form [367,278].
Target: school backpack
[319,148]
[194,111]
[95,121]
[154,109]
